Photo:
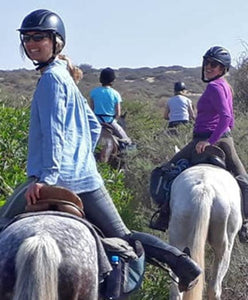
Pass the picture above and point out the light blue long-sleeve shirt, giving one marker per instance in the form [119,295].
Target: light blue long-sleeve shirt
[63,133]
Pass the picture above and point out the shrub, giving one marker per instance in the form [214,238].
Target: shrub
[241,81]
[13,147]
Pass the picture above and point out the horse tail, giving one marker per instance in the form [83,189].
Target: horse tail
[37,263]
[203,198]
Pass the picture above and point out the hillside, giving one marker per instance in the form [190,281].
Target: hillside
[155,84]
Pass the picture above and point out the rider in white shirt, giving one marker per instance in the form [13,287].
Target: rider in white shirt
[179,109]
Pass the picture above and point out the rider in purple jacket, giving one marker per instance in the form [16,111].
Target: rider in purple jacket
[215,117]
[213,126]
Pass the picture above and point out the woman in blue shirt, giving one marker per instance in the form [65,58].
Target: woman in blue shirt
[62,136]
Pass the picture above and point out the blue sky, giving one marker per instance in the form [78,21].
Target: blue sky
[133,33]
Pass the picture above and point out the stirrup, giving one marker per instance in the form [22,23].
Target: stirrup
[181,285]
[154,222]
[183,288]
[243,234]
[186,250]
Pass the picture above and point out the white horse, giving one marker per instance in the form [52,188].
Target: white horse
[205,206]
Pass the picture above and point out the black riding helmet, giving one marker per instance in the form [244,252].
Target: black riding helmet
[44,20]
[179,86]
[107,76]
[219,54]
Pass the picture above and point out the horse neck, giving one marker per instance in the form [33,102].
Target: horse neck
[122,122]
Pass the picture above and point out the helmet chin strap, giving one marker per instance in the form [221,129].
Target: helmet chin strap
[209,80]
[41,65]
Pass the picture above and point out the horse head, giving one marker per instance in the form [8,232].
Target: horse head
[122,120]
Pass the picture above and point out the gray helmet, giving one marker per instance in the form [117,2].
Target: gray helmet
[43,20]
[179,86]
[219,54]
[107,76]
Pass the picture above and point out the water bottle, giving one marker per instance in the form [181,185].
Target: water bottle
[113,281]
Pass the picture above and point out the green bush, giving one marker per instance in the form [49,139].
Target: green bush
[13,148]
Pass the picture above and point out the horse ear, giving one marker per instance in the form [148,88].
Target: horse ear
[124,115]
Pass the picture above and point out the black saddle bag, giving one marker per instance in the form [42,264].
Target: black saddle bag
[162,178]
[128,265]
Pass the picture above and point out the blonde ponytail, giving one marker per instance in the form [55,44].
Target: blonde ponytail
[76,72]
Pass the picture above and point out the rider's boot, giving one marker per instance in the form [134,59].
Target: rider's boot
[160,219]
[179,262]
[243,184]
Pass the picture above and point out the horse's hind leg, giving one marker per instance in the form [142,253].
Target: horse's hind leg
[89,283]
[221,264]
[222,245]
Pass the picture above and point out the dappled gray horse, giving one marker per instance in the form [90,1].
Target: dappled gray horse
[205,206]
[48,257]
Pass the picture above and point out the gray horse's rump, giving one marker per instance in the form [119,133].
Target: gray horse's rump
[79,267]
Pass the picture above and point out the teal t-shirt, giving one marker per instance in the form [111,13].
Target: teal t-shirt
[105,99]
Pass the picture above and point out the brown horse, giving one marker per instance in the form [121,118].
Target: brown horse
[110,145]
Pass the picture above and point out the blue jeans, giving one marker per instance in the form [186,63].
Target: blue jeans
[101,211]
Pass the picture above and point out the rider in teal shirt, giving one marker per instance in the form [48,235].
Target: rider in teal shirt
[105,99]
[106,104]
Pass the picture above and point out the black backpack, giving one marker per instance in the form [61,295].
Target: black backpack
[161,180]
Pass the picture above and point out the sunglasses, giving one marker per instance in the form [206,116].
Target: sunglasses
[213,63]
[36,37]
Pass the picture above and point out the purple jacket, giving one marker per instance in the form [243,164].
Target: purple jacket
[215,110]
